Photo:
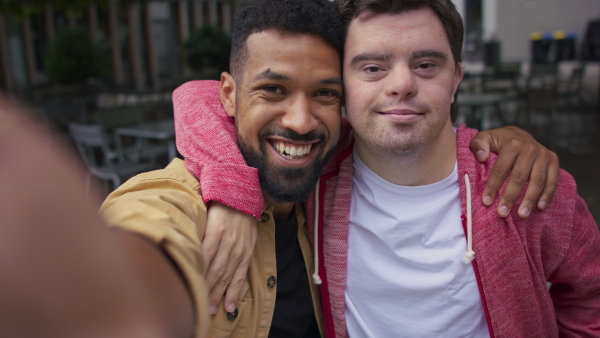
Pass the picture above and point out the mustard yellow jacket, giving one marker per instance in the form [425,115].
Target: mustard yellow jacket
[166,207]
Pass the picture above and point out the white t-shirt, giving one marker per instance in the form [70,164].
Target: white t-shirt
[406,277]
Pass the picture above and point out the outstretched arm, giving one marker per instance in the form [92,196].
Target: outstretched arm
[526,160]
[64,273]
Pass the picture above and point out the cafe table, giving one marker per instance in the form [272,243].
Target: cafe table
[477,104]
[160,130]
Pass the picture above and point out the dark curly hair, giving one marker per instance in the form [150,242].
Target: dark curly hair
[317,17]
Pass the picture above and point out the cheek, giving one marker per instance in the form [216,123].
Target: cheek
[331,119]
[356,96]
[249,126]
[441,94]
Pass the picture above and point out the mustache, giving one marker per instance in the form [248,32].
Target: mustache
[292,135]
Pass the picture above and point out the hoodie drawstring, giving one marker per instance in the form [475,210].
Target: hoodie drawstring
[316,278]
[470,254]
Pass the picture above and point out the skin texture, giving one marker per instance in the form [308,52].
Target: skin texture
[399,96]
[290,92]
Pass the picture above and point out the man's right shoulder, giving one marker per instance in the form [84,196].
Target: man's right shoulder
[166,196]
[175,171]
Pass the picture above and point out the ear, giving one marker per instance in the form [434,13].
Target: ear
[227,93]
[458,75]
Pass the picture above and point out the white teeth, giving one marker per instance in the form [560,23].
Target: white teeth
[292,151]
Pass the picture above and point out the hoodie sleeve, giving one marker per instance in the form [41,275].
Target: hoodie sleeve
[206,137]
[575,288]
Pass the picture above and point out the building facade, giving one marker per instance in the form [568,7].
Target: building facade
[144,40]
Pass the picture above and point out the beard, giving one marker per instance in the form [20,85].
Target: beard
[282,183]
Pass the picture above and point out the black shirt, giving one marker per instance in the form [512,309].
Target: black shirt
[294,314]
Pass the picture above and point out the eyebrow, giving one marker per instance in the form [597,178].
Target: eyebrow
[271,75]
[429,53]
[371,56]
[331,80]
[268,74]
[388,57]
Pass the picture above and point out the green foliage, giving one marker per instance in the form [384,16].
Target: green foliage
[208,50]
[22,9]
[73,57]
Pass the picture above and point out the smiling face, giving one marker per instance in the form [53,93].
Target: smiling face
[400,78]
[287,109]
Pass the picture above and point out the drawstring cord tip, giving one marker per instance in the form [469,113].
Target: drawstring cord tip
[469,257]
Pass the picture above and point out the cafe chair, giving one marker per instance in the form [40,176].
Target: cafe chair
[571,93]
[503,78]
[114,118]
[103,159]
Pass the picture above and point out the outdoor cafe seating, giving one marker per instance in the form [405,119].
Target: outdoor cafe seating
[104,159]
[540,98]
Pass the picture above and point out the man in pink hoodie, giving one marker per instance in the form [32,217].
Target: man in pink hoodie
[396,213]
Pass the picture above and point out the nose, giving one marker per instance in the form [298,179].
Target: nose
[299,115]
[401,83]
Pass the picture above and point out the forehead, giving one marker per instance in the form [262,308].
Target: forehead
[295,55]
[409,31]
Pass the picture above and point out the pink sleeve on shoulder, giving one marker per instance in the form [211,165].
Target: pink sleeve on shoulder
[206,137]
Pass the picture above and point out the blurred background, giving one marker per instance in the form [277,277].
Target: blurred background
[101,73]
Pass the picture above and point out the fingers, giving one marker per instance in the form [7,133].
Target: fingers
[210,243]
[235,287]
[480,146]
[228,245]
[218,276]
[518,177]
[227,274]
[551,182]
[503,165]
[526,168]
[527,161]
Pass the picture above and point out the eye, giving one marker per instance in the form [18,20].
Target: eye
[426,65]
[327,96]
[271,89]
[327,93]
[372,69]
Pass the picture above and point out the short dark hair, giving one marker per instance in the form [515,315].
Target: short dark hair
[316,17]
[443,9]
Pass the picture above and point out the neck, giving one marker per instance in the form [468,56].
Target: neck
[281,211]
[423,164]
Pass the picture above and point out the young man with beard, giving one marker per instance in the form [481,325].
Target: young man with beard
[399,194]
[293,47]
